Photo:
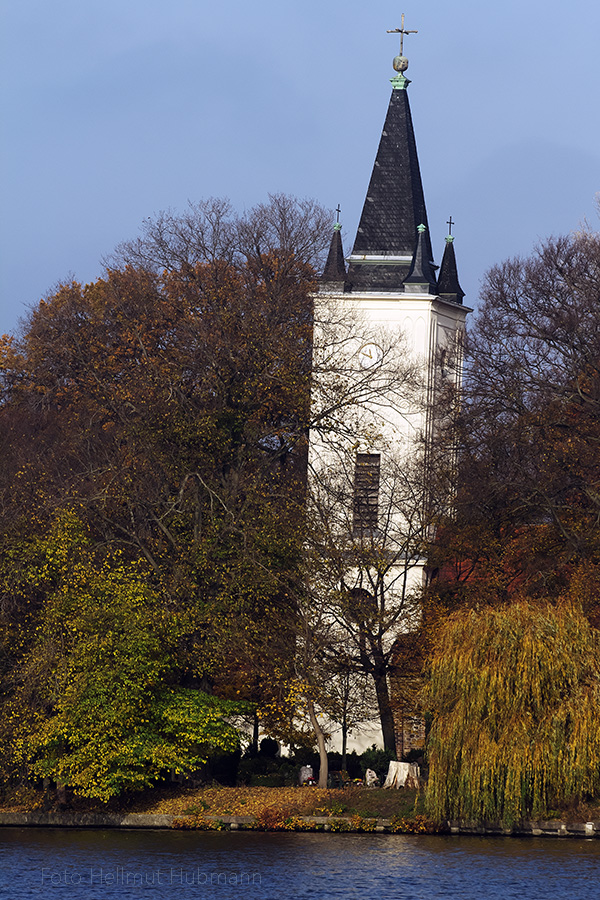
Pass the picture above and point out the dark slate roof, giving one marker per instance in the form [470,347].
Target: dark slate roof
[448,285]
[335,267]
[394,207]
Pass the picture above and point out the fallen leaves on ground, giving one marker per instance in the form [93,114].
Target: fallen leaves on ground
[305,801]
[244,801]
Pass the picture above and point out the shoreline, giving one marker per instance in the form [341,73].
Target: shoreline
[555,828]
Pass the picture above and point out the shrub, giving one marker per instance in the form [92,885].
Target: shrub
[378,760]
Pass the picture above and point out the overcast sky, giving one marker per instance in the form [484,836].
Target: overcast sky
[113,110]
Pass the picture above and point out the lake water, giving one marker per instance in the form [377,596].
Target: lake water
[78,864]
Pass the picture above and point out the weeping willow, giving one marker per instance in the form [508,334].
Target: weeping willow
[515,698]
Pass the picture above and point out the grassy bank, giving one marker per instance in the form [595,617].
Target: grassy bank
[217,800]
[267,804]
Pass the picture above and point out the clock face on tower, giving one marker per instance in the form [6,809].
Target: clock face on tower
[369,355]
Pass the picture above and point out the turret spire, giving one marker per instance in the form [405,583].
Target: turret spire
[448,285]
[334,273]
[421,278]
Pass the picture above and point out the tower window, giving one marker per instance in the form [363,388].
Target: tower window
[366,492]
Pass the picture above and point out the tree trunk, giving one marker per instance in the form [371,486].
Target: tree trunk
[323,762]
[61,793]
[254,741]
[385,711]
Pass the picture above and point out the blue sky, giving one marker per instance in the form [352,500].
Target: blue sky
[113,110]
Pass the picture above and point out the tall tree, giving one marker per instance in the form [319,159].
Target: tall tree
[169,409]
[361,575]
[210,231]
[528,432]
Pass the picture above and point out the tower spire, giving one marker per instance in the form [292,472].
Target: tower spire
[395,204]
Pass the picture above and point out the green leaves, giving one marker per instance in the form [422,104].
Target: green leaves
[101,663]
[100,749]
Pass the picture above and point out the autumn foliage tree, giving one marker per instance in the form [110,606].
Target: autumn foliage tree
[527,498]
[166,410]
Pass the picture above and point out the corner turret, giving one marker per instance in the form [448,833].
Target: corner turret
[334,273]
[448,285]
[421,277]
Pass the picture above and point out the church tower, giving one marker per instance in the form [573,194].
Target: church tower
[410,318]
[390,279]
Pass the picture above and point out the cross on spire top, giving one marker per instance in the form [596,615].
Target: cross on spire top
[401,31]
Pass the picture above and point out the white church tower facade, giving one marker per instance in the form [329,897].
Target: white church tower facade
[390,283]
